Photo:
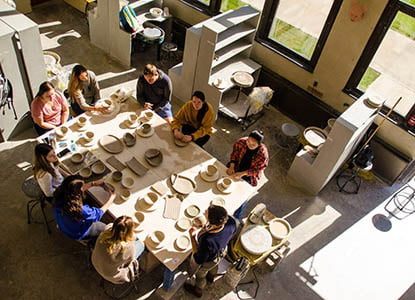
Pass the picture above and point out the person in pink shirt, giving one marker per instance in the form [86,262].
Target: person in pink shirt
[49,109]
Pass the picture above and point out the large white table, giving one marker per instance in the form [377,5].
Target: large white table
[187,161]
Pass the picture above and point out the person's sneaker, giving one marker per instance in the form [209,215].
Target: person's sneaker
[210,278]
[193,290]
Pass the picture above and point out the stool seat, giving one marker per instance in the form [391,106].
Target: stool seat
[31,188]
[169,47]
[290,129]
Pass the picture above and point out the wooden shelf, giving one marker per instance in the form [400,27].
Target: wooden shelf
[233,34]
[230,51]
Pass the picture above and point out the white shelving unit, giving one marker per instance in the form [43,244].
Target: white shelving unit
[216,48]
[105,28]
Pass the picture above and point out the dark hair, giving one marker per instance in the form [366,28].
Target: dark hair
[44,88]
[40,162]
[217,215]
[69,197]
[150,69]
[202,112]
[78,70]
[258,135]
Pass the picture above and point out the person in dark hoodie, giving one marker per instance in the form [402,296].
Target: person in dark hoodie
[154,91]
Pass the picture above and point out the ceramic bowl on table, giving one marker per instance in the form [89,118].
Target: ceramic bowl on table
[85,172]
[61,131]
[77,158]
[156,12]
[150,198]
[98,168]
[127,182]
[89,136]
[81,121]
[125,195]
[157,237]
[116,176]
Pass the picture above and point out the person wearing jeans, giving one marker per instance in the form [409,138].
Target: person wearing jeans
[75,219]
[210,247]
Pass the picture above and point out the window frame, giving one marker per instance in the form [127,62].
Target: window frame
[265,25]
[351,88]
[212,9]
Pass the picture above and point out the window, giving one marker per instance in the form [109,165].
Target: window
[387,63]
[214,7]
[297,29]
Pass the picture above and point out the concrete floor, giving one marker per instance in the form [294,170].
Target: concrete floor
[36,265]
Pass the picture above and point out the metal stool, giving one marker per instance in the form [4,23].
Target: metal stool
[402,203]
[168,52]
[343,179]
[32,190]
[287,136]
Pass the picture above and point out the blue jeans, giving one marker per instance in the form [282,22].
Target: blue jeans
[164,111]
[139,248]
[238,213]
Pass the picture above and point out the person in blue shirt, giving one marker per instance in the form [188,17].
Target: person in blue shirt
[75,219]
[210,246]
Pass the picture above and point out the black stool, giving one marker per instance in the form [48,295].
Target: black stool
[118,291]
[32,190]
[345,178]
[168,52]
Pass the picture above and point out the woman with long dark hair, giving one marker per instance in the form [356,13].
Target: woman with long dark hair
[83,90]
[74,218]
[46,169]
[49,109]
[249,158]
[117,250]
[194,121]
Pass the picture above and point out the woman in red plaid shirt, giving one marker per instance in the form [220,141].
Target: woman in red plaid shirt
[249,158]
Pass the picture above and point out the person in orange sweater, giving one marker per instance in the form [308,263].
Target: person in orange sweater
[194,120]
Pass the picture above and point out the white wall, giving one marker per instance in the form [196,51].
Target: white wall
[341,52]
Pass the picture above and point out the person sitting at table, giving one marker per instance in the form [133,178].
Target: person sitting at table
[49,109]
[154,91]
[194,120]
[75,219]
[83,90]
[249,158]
[46,169]
[210,246]
[117,251]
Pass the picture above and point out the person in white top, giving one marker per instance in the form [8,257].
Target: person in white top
[46,169]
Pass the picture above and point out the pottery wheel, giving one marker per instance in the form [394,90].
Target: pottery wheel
[256,239]
[243,79]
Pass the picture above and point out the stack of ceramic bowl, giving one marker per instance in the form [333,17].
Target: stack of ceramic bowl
[145,130]
[225,185]
[89,138]
[210,173]
[154,157]
[156,239]
[61,132]
[82,123]
[132,120]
